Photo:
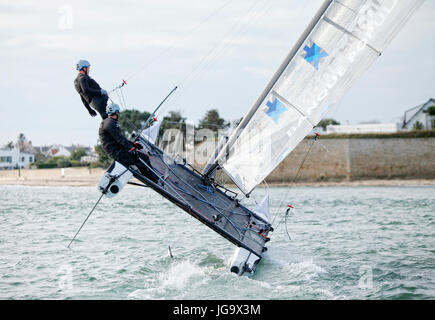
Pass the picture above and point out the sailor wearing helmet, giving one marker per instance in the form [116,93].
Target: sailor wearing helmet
[89,90]
[120,148]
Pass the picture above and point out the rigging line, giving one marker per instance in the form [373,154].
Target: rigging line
[208,202]
[239,229]
[216,54]
[255,200]
[295,177]
[172,171]
[205,199]
[222,40]
[240,200]
[161,179]
[214,197]
[334,110]
[284,219]
[152,115]
[234,225]
[218,209]
[202,65]
[130,123]
[267,186]
[122,96]
[113,178]
[102,194]
[286,228]
[172,46]
[119,99]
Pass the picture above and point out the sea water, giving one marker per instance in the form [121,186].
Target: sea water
[337,243]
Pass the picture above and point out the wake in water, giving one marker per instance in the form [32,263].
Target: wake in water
[187,279]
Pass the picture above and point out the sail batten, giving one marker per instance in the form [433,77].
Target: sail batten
[288,103]
[326,19]
[342,41]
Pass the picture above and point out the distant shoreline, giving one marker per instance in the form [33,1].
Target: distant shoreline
[85,177]
[360,183]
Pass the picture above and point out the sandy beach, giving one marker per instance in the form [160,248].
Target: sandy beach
[79,177]
[75,177]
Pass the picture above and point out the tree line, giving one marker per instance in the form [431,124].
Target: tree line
[64,162]
[131,121]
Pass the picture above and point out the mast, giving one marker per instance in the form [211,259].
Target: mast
[269,86]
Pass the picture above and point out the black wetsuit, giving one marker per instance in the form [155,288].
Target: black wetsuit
[118,147]
[90,93]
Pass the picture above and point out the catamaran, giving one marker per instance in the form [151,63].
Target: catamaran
[341,42]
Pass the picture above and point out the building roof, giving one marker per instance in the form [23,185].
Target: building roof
[362,128]
[411,113]
[57,150]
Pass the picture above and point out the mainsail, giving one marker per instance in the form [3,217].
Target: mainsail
[342,41]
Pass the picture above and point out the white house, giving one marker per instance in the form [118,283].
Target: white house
[13,158]
[57,150]
[419,114]
[362,128]
[88,159]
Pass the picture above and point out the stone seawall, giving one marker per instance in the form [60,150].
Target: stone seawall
[392,158]
[321,160]
[355,159]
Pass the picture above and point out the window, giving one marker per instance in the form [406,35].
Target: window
[9,159]
[23,159]
[31,159]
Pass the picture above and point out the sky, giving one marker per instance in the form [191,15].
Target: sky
[221,54]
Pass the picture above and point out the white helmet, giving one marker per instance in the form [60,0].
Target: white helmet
[112,109]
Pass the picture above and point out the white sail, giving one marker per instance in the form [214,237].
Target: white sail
[263,209]
[151,133]
[342,41]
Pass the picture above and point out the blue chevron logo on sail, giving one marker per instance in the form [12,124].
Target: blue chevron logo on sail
[276,108]
[314,55]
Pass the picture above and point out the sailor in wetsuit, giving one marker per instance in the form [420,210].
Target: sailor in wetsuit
[89,90]
[121,149]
